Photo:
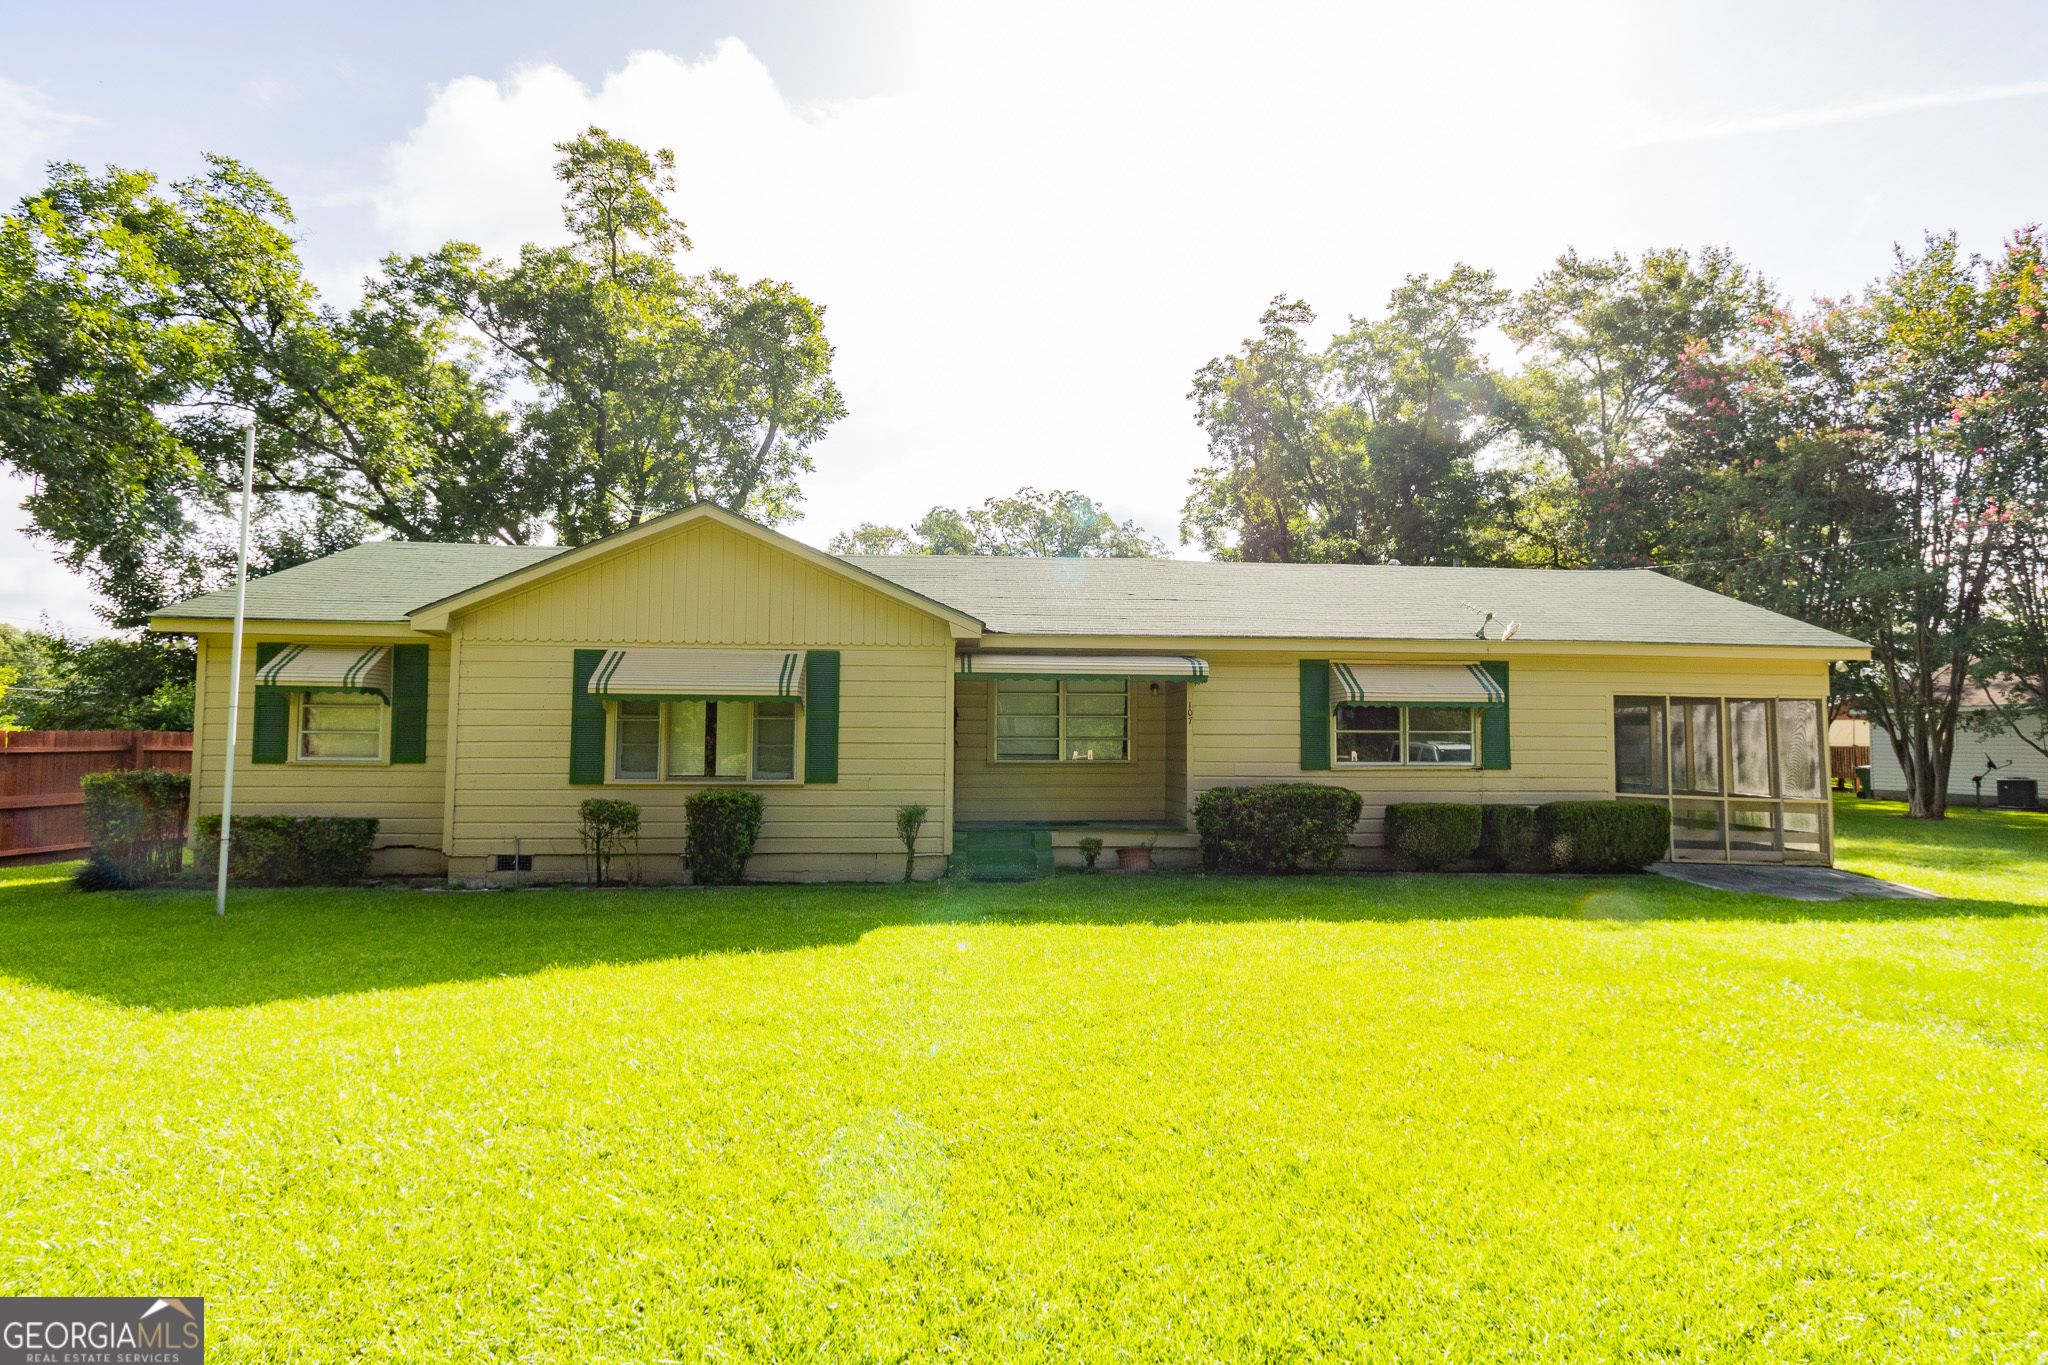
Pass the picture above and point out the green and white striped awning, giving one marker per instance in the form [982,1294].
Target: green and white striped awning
[993,664]
[330,668]
[700,675]
[1356,684]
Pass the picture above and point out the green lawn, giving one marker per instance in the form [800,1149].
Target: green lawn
[1104,1119]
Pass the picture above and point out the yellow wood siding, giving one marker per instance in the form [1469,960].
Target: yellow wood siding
[405,798]
[1246,726]
[705,585]
[513,774]
[1059,791]
[708,585]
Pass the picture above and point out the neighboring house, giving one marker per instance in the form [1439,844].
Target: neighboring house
[471,695]
[1976,749]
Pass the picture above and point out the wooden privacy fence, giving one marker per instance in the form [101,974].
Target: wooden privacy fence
[42,807]
[1844,760]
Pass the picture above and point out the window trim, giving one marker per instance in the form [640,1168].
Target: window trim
[1477,713]
[1061,759]
[613,778]
[296,733]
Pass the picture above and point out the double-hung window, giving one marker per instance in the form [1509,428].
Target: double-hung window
[700,741]
[1415,736]
[1062,720]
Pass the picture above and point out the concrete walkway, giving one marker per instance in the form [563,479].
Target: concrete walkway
[1794,883]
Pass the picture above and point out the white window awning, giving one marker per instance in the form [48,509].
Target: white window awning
[993,664]
[700,675]
[330,668]
[1357,684]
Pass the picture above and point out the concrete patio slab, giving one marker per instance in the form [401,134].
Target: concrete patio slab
[1793,883]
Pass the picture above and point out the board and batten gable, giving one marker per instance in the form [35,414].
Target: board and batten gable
[703,584]
[406,799]
[1245,722]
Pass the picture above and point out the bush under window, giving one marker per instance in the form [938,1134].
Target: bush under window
[1276,827]
[289,850]
[1434,834]
[1604,836]
[724,824]
[1507,836]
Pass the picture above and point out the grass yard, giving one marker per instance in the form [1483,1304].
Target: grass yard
[1102,1119]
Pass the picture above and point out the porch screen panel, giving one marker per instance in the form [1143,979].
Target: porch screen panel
[1749,747]
[1696,745]
[1639,760]
[1802,766]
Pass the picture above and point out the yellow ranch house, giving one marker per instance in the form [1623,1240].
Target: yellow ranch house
[471,696]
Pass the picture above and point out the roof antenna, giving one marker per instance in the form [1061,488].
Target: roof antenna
[1480,634]
[1509,633]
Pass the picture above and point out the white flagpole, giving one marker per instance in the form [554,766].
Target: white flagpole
[227,789]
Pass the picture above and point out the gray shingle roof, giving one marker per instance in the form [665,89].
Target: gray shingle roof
[1168,598]
[1182,598]
[379,580]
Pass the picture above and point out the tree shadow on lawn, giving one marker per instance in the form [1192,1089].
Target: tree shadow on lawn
[166,950]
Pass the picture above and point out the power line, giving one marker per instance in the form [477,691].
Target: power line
[1772,554]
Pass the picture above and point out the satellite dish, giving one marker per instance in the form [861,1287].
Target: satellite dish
[1509,633]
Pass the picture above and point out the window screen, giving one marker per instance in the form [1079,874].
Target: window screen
[775,740]
[1695,745]
[341,725]
[639,731]
[1749,748]
[1075,720]
[1639,764]
[1802,766]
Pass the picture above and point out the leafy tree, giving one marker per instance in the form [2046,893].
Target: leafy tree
[2008,417]
[657,389]
[1276,478]
[1364,452]
[1420,400]
[1056,523]
[141,325]
[136,326]
[1606,338]
[65,682]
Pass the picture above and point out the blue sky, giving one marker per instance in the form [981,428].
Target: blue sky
[1030,224]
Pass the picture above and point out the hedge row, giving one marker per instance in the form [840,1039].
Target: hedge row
[289,850]
[1582,836]
[1276,827]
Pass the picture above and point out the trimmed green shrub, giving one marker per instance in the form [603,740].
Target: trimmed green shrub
[724,824]
[1091,849]
[1507,835]
[1604,836]
[608,827]
[1433,833]
[135,819]
[1275,827]
[909,820]
[289,850]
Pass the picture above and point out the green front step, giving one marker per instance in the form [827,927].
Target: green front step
[1001,855]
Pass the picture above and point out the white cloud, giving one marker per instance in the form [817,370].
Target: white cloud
[32,131]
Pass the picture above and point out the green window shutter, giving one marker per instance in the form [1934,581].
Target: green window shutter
[1493,724]
[272,737]
[821,715]
[409,704]
[1315,715]
[586,724]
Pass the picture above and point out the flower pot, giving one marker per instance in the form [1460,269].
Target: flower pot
[1134,859]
